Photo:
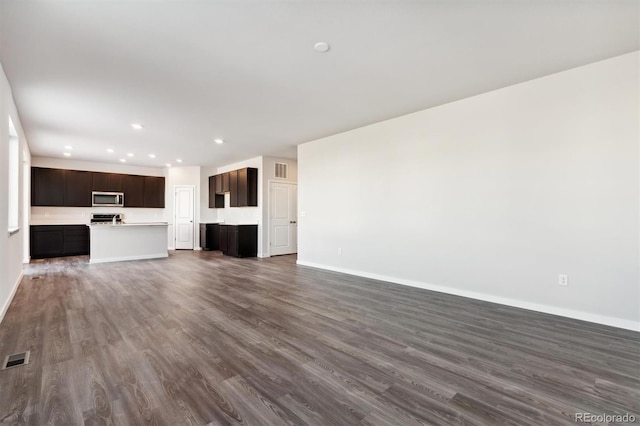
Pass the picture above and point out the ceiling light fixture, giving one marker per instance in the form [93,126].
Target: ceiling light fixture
[68,147]
[178,160]
[67,154]
[321,47]
[130,154]
[110,151]
[123,160]
[152,156]
[137,126]
[219,141]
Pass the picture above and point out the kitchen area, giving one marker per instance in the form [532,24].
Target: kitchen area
[113,217]
[82,213]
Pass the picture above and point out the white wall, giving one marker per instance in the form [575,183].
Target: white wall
[492,196]
[11,246]
[79,215]
[182,176]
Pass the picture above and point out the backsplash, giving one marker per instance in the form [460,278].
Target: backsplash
[82,215]
[238,215]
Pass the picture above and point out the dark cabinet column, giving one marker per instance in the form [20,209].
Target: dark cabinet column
[233,188]
[216,200]
[225,182]
[153,191]
[246,188]
[77,188]
[224,238]
[133,188]
[217,180]
[47,187]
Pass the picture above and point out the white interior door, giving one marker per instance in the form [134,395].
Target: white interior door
[283,217]
[184,217]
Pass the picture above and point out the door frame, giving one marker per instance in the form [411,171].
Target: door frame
[268,224]
[175,211]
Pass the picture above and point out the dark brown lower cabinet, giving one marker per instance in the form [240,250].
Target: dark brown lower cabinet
[210,236]
[239,240]
[58,240]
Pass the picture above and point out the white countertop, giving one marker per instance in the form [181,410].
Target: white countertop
[54,222]
[124,225]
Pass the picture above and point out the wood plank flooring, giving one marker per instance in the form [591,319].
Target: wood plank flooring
[200,338]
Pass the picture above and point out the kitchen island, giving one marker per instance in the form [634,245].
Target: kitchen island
[128,241]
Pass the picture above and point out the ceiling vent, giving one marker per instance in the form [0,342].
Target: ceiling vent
[281,170]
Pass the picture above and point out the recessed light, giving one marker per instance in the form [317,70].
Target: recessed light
[68,147]
[218,141]
[123,160]
[152,156]
[178,160]
[130,154]
[137,126]
[110,151]
[321,47]
[168,165]
[67,154]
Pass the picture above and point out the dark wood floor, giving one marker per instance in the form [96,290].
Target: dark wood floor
[200,338]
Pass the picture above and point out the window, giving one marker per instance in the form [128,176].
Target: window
[14,178]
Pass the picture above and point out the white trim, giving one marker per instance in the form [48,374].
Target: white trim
[124,258]
[547,309]
[26,260]
[5,308]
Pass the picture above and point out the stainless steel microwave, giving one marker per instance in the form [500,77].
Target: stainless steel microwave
[107,199]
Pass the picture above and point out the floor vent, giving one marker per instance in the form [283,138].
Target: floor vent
[37,277]
[16,360]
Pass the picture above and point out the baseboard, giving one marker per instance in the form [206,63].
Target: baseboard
[547,309]
[125,258]
[5,308]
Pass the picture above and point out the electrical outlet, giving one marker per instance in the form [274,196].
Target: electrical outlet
[339,251]
[563,279]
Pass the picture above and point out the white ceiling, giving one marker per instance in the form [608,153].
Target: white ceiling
[246,71]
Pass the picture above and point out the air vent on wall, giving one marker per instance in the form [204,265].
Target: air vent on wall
[281,170]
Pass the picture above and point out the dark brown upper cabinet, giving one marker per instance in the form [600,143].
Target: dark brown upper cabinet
[107,182]
[217,183]
[133,188]
[153,192]
[47,187]
[233,188]
[242,188]
[77,188]
[246,188]
[216,201]
[225,182]
[72,188]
